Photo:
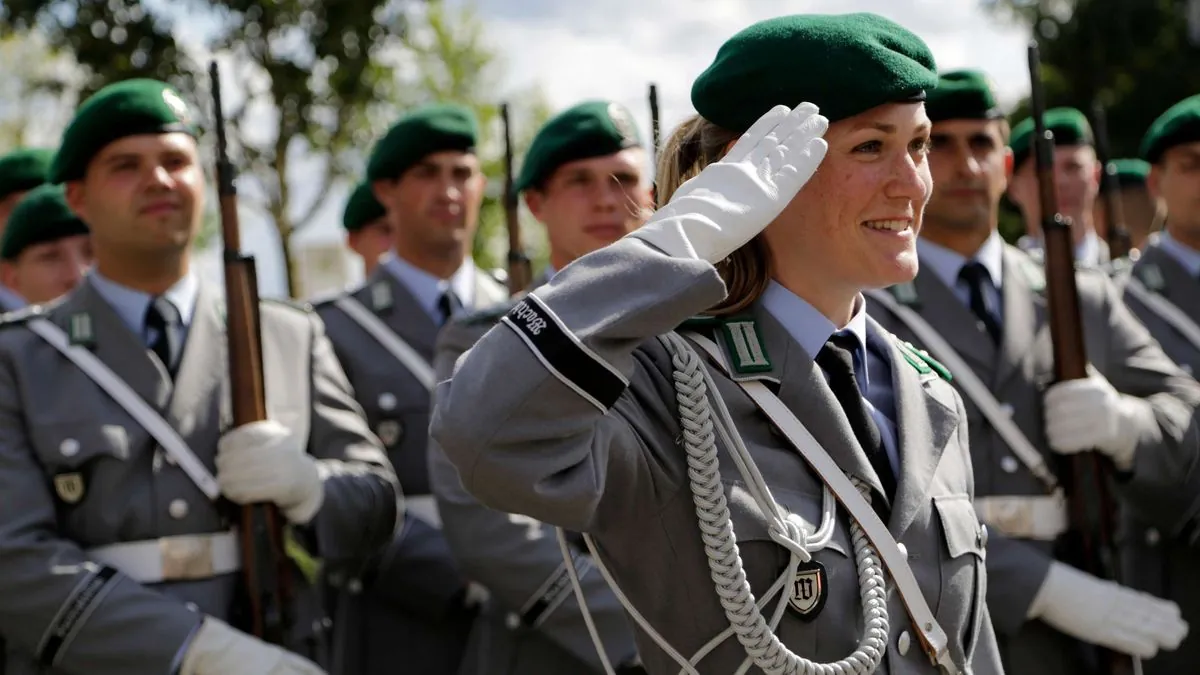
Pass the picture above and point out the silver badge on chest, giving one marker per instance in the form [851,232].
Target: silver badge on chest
[809,589]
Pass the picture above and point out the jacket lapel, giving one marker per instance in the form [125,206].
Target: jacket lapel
[202,367]
[926,418]
[1024,315]
[1178,286]
[392,302]
[955,322]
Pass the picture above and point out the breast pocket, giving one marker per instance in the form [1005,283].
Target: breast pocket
[78,456]
[964,587]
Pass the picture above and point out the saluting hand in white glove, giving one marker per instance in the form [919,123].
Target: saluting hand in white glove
[1089,414]
[730,201]
[264,462]
[218,649]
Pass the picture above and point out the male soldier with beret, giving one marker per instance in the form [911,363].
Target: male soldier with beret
[415,605]
[368,231]
[45,249]
[1139,208]
[979,306]
[118,553]
[584,179]
[20,171]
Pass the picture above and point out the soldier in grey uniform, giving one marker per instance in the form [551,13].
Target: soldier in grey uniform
[986,300]
[20,171]
[117,553]
[45,249]
[417,606]
[584,179]
[368,232]
[1077,172]
[708,485]
[1163,290]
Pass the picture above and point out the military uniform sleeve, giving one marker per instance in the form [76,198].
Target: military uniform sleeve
[1168,448]
[517,558]
[362,498]
[74,615]
[539,418]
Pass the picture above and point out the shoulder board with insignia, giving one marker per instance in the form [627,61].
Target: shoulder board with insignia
[923,362]
[22,314]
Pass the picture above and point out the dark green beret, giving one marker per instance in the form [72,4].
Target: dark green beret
[362,208]
[1129,172]
[590,129]
[432,128]
[24,169]
[1070,127]
[845,64]
[42,215]
[963,95]
[127,108]
[1178,125]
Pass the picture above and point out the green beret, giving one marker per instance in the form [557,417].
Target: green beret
[590,129]
[24,169]
[42,215]
[432,128]
[362,208]
[127,108]
[1129,172]
[1070,127]
[1178,125]
[845,64]
[963,95]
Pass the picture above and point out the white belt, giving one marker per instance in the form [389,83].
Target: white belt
[1033,517]
[192,556]
[424,507]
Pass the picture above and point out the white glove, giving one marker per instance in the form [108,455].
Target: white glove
[730,201]
[218,649]
[1089,414]
[1107,614]
[264,462]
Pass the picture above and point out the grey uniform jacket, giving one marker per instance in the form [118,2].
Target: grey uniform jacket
[414,599]
[1161,562]
[1017,372]
[541,630]
[585,436]
[63,613]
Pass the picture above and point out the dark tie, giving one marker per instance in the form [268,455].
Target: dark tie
[837,360]
[448,305]
[976,276]
[164,327]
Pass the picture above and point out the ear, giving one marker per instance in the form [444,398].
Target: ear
[534,201]
[1153,182]
[1008,165]
[382,189]
[75,195]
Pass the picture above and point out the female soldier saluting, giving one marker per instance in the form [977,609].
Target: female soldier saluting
[611,424]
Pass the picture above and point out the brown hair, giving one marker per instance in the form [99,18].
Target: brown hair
[693,145]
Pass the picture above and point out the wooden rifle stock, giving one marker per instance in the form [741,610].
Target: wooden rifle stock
[1088,543]
[519,273]
[265,565]
[655,137]
[1117,234]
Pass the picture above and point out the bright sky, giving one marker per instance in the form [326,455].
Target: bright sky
[614,48]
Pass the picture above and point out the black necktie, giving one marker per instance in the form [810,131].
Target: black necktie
[164,325]
[448,305]
[976,276]
[837,360]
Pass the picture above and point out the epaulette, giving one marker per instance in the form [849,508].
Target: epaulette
[25,313]
[301,305]
[923,362]
[322,299]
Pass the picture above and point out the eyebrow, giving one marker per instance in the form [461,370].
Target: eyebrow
[892,128]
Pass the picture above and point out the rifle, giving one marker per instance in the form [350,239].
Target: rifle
[1088,543]
[1117,235]
[519,272]
[655,137]
[265,565]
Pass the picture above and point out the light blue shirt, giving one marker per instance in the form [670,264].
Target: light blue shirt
[428,289]
[946,265]
[10,300]
[130,305]
[811,329]
[1182,253]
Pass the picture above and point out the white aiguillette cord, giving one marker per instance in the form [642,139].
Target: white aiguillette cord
[933,638]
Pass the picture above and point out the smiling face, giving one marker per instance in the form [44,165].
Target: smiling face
[854,225]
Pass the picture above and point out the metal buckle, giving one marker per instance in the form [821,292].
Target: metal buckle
[186,557]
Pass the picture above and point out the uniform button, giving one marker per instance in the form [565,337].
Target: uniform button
[983,536]
[1153,537]
[1007,409]
[903,643]
[1009,464]
[191,606]
[69,447]
[387,401]
[512,621]
[178,509]
[903,550]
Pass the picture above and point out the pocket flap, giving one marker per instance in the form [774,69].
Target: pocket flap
[964,533]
